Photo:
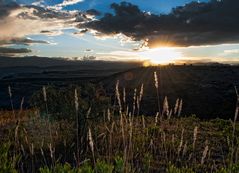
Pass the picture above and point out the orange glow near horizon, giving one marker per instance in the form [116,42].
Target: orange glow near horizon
[163,55]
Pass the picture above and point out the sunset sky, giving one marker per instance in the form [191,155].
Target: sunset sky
[161,31]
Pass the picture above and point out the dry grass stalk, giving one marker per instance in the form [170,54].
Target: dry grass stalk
[88,113]
[130,136]
[11,101]
[21,104]
[44,93]
[120,111]
[124,96]
[108,114]
[91,143]
[195,132]
[48,116]
[181,142]
[143,122]
[138,104]
[165,107]
[10,91]
[127,110]
[156,84]
[173,139]
[118,96]
[180,107]
[185,147]
[32,149]
[43,155]
[170,114]
[51,151]
[234,125]
[156,119]
[76,101]
[16,134]
[163,137]
[77,128]
[134,101]
[23,150]
[176,106]
[141,93]
[140,97]
[111,132]
[152,146]
[205,152]
[26,136]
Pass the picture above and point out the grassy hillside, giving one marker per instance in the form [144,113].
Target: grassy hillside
[130,144]
[208,91]
[82,129]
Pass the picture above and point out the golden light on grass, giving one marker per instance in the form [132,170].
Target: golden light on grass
[162,55]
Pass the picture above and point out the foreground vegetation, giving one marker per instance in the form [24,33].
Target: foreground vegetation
[80,129]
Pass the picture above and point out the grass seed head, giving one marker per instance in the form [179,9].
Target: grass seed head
[10,91]
[76,101]
[156,84]
[141,92]
[91,143]
[195,132]
[44,93]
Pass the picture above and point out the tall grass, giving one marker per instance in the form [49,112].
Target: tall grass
[122,142]
[156,84]
[11,101]
[77,128]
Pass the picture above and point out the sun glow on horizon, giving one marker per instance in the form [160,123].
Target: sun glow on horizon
[163,55]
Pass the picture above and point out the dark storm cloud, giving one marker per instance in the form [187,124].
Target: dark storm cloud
[6,7]
[19,21]
[45,13]
[22,41]
[215,22]
[93,12]
[13,51]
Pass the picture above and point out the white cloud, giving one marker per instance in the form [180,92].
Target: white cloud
[66,3]
[71,2]
[25,21]
[231,51]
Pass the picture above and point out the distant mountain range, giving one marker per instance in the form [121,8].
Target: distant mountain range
[50,62]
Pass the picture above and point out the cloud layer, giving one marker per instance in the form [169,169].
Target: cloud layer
[26,20]
[13,51]
[68,2]
[21,41]
[19,21]
[194,24]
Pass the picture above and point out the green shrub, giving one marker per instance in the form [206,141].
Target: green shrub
[59,168]
[231,169]
[103,167]
[66,168]
[146,161]
[119,165]
[7,162]
[174,169]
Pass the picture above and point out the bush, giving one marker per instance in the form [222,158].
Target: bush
[60,102]
[174,169]
[103,167]
[7,162]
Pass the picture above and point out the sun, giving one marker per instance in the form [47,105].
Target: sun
[163,55]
